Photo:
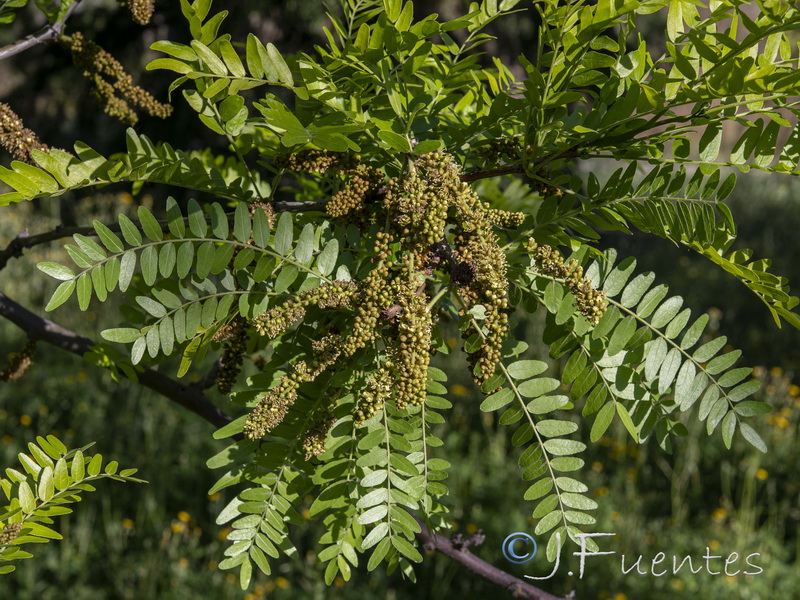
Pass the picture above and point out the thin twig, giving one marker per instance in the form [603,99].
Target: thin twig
[484,174]
[290,206]
[572,152]
[48,33]
[23,241]
[43,330]
[515,586]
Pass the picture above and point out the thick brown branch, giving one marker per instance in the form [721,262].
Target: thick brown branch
[23,241]
[43,330]
[516,587]
[46,34]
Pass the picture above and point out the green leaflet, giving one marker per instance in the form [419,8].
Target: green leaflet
[144,161]
[640,352]
[54,478]
[543,437]
[188,251]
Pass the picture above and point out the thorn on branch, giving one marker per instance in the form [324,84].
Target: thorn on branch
[476,539]
[48,33]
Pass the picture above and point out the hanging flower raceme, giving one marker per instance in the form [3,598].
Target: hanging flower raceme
[16,138]
[113,87]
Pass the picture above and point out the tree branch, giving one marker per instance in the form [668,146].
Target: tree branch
[484,174]
[292,206]
[516,587]
[39,329]
[572,152]
[48,33]
[24,240]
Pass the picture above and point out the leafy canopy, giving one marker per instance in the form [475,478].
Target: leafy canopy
[350,233]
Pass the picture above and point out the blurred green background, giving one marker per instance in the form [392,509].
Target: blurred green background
[160,541]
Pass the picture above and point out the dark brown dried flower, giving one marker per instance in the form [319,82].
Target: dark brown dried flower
[233,356]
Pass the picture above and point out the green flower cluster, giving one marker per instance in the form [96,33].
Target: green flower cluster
[362,180]
[411,350]
[417,211]
[480,266]
[505,218]
[418,203]
[115,98]
[590,302]
[317,161]
[420,206]
[234,348]
[372,398]
[330,295]
[16,138]
[314,439]
[478,245]
[327,351]
[141,10]
[374,295]
[351,198]
[9,533]
[273,406]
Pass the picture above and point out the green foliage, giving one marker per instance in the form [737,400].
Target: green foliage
[8,8]
[50,478]
[640,362]
[246,258]
[350,303]
[143,162]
